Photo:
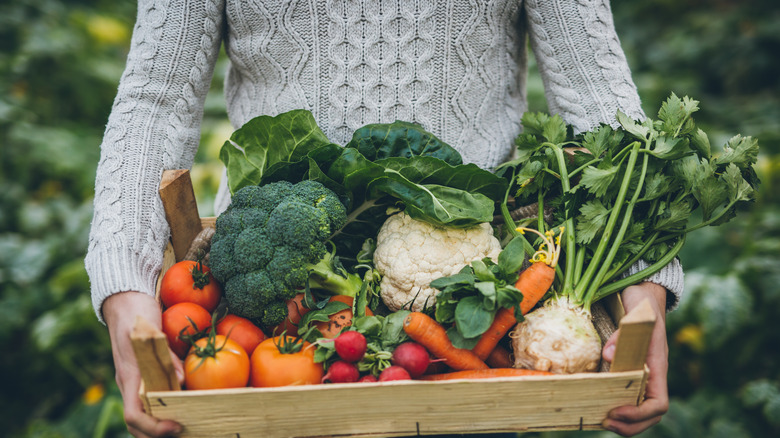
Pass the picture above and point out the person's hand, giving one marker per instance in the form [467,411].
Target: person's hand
[120,311]
[631,420]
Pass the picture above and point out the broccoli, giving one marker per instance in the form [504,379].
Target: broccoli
[271,241]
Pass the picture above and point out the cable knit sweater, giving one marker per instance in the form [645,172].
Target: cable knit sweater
[457,67]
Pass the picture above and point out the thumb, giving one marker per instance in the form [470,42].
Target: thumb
[608,352]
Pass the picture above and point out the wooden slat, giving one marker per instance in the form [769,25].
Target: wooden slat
[403,408]
[633,338]
[154,358]
[181,209]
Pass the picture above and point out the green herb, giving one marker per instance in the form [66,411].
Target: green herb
[629,193]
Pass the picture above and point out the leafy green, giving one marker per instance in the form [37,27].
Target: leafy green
[632,195]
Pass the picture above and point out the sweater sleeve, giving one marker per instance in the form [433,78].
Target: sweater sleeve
[587,80]
[154,125]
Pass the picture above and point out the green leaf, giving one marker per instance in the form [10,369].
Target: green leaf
[673,216]
[742,151]
[598,180]
[471,317]
[601,140]
[481,270]
[401,139]
[508,296]
[511,258]
[550,128]
[593,218]
[738,188]
[488,291]
[656,185]
[700,143]
[458,341]
[710,191]
[265,141]
[632,127]
[675,113]
[445,307]
[457,280]
[669,148]
[393,329]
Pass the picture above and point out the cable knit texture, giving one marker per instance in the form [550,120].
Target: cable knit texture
[457,67]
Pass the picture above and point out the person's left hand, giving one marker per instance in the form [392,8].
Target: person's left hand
[631,420]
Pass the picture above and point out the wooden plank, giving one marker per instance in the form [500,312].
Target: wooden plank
[181,209]
[154,358]
[635,330]
[403,408]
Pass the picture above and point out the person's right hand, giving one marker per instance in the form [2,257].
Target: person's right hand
[120,311]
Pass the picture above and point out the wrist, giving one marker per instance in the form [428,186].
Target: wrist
[120,310]
[635,294]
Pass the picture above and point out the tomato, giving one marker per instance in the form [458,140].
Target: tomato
[223,364]
[190,282]
[242,331]
[184,319]
[340,319]
[273,365]
[295,311]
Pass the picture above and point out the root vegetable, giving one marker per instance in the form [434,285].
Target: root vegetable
[341,371]
[558,337]
[426,331]
[350,346]
[412,357]
[394,372]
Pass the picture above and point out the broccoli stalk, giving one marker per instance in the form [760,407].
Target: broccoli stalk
[329,275]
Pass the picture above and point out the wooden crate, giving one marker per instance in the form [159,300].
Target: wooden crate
[399,408]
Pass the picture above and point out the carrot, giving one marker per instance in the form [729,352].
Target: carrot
[533,282]
[486,374]
[426,331]
[500,357]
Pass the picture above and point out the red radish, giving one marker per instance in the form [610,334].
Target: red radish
[350,346]
[412,357]
[341,372]
[394,372]
[368,378]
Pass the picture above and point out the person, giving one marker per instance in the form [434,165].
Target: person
[457,68]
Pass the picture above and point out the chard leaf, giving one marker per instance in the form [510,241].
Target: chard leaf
[393,332]
[401,139]
[508,296]
[445,307]
[481,271]
[430,170]
[471,317]
[742,151]
[458,280]
[265,141]
[673,216]
[593,218]
[597,180]
[710,191]
[738,188]
[488,291]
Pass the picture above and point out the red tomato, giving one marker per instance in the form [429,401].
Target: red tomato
[242,331]
[340,319]
[271,366]
[190,282]
[227,367]
[295,311]
[184,319]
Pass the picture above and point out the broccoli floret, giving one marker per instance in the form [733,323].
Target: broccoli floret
[271,241]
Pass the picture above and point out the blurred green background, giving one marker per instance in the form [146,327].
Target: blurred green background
[60,62]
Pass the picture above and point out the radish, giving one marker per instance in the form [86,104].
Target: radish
[412,357]
[368,378]
[341,372]
[350,346]
[394,372]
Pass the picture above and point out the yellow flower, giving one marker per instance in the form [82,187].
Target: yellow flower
[94,394]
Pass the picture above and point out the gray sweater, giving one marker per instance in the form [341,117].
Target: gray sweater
[456,67]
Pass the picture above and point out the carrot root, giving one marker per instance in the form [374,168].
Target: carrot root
[426,331]
[486,374]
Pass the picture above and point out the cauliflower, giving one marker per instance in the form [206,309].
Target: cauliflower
[410,254]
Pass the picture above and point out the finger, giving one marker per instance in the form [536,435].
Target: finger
[178,366]
[650,408]
[629,429]
[608,352]
[139,424]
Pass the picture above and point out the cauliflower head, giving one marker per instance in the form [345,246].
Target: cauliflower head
[410,254]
